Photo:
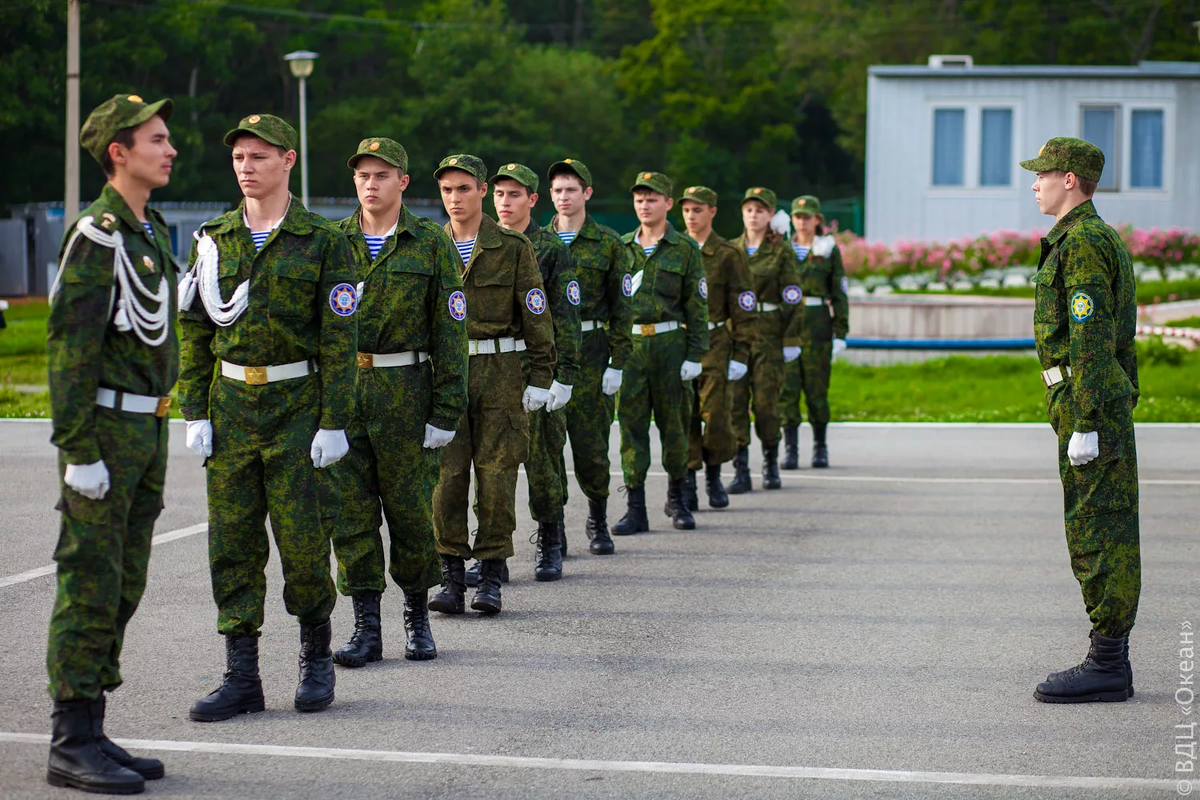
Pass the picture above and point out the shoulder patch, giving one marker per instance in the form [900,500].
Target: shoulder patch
[573,293]
[535,300]
[792,294]
[627,285]
[747,300]
[1081,306]
[343,300]
[458,305]
[703,287]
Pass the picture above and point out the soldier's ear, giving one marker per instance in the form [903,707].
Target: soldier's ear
[404,181]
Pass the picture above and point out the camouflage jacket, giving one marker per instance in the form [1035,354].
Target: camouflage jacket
[562,292]
[505,297]
[1085,312]
[674,287]
[290,316]
[730,297]
[412,300]
[824,276]
[775,273]
[601,263]
[84,349]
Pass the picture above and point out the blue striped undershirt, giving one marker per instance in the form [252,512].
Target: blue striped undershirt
[751,249]
[260,238]
[149,229]
[801,251]
[649,250]
[374,244]
[567,236]
[464,249]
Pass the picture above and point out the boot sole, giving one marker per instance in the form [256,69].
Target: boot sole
[1092,697]
[316,705]
[252,708]
[684,526]
[640,528]
[546,577]
[420,655]
[354,663]
[149,774]
[770,486]
[483,608]
[731,490]
[61,781]
[602,551]
[446,608]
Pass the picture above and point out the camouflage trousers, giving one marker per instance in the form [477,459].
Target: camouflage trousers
[809,375]
[492,439]
[103,553]
[712,439]
[388,473]
[589,418]
[546,469]
[1100,503]
[760,390]
[260,466]
[651,384]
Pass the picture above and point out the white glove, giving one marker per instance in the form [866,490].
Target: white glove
[90,480]
[839,346]
[610,384]
[328,447]
[560,395]
[436,437]
[534,398]
[1083,448]
[780,222]
[199,437]
[737,370]
[790,354]
[690,370]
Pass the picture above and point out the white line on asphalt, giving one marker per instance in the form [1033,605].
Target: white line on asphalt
[662,767]
[889,479]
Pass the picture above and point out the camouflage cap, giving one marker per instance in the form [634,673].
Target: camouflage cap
[116,114]
[654,181]
[268,127]
[519,173]
[700,194]
[806,204]
[1069,154]
[762,195]
[571,165]
[386,149]
[473,165]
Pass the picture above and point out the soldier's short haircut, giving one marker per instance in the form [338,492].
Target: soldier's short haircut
[1087,187]
[566,173]
[528,191]
[125,138]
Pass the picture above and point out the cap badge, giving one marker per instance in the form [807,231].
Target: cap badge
[1041,149]
[758,191]
[254,119]
[452,161]
[802,203]
[133,98]
[374,146]
[511,166]
[567,161]
[646,176]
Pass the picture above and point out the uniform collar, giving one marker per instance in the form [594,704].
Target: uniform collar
[711,244]
[590,229]
[532,229]
[403,222]
[114,200]
[670,236]
[1084,210]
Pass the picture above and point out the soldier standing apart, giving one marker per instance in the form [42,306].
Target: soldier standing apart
[1085,316]
[670,336]
[506,315]
[411,392]
[823,281]
[731,304]
[267,387]
[603,269]
[110,374]
[776,275]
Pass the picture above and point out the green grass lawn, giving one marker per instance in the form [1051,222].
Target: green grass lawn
[1147,293]
[1186,322]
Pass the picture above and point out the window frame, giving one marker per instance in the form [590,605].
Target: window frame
[1117,157]
[973,144]
[1168,145]
[1012,135]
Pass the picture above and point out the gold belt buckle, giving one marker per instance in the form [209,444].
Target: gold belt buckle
[648,330]
[164,407]
[366,360]
[256,376]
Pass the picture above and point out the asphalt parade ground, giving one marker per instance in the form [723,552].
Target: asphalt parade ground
[871,630]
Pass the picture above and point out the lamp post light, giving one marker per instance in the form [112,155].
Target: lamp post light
[301,64]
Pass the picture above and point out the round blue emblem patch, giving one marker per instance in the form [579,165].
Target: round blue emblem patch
[792,294]
[703,286]
[1081,306]
[627,285]
[535,301]
[845,285]
[458,306]
[747,301]
[573,293]
[343,300]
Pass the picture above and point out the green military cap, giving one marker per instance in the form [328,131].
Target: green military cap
[806,204]
[654,181]
[700,194]
[762,195]
[519,173]
[1070,155]
[116,114]
[390,151]
[268,127]
[470,164]
[571,165]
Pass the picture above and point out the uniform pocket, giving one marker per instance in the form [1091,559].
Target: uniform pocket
[492,298]
[668,283]
[293,290]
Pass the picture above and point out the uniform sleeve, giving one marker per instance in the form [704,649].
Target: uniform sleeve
[695,305]
[791,315]
[620,315]
[339,336]
[448,341]
[567,335]
[1095,375]
[537,328]
[742,329]
[197,362]
[837,293]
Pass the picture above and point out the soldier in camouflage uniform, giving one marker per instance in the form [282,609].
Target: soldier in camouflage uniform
[267,387]
[1085,317]
[731,304]
[411,392]
[670,337]
[110,375]
[506,312]
[603,269]
[823,337]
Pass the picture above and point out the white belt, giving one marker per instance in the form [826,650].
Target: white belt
[257,376]
[766,307]
[712,326]
[135,403]
[656,328]
[814,301]
[489,347]
[590,325]
[405,359]
[1055,375]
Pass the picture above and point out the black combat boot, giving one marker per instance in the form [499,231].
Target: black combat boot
[452,598]
[601,544]
[1128,666]
[487,594]
[240,691]
[770,469]
[149,768]
[820,452]
[791,447]
[691,501]
[1101,677]
[635,520]
[547,555]
[315,691]
[418,644]
[717,496]
[76,760]
[674,508]
[366,643]
[741,472]
[471,576]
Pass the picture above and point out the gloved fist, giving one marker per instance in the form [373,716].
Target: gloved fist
[610,384]
[535,398]
[790,354]
[90,480]
[839,346]
[736,371]
[560,395]
[690,370]
[199,437]
[436,437]
[328,448]
[1083,447]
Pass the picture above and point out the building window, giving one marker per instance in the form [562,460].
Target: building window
[948,146]
[1099,125]
[1146,149]
[995,149]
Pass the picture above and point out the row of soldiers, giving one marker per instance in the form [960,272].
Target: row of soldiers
[336,375]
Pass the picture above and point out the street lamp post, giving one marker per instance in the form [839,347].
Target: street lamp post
[301,64]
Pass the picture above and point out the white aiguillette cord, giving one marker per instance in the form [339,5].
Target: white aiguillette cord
[203,277]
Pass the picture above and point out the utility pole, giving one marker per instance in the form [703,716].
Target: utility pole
[71,200]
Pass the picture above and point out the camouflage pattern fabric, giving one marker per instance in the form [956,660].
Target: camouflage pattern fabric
[820,277]
[808,375]
[589,415]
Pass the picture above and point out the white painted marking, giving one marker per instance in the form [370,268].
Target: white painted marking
[900,479]
[645,767]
